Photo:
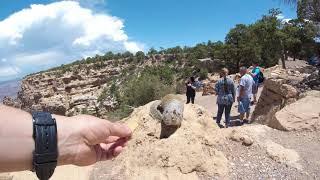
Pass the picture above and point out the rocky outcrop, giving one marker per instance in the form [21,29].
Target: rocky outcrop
[275,95]
[301,115]
[10,102]
[311,82]
[71,92]
[186,154]
[280,105]
[208,85]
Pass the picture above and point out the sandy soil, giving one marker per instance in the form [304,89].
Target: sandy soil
[61,173]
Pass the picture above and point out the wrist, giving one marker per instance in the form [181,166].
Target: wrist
[65,136]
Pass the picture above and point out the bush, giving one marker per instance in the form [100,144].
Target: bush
[203,74]
[145,89]
[122,112]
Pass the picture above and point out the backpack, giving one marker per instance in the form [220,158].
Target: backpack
[261,77]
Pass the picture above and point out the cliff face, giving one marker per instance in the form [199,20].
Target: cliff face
[83,86]
[9,89]
[70,92]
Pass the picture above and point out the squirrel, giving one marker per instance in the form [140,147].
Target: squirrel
[169,110]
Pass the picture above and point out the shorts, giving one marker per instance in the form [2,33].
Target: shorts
[244,105]
[255,88]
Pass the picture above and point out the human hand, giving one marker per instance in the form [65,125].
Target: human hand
[84,140]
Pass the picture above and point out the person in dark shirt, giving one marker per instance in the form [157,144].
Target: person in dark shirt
[191,90]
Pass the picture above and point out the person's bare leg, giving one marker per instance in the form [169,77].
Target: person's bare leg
[241,116]
[247,115]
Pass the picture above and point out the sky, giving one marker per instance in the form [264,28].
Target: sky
[38,34]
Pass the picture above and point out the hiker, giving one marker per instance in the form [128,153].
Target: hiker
[225,90]
[245,93]
[191,86]
[81,140]
[257,75]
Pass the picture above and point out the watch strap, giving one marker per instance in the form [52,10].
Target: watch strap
[45,154]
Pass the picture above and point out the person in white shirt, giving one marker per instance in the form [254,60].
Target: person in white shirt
[245,94]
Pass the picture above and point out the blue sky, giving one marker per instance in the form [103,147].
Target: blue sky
[172,22]
[58,32]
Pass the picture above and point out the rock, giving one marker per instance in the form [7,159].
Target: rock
[55,104]
[288,91]
[304,114]
[276,94]
[72,92]
[247,141]
[8,101]
[311,82]
[239,136]
[209,84]
[282,155]
[208,89]
[187,153]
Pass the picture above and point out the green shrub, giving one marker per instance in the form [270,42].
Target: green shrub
[203,74]
[122,112]
[145,89]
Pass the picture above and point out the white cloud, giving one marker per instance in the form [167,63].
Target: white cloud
[91,3]
[46,35]
[9,71]
[282,18]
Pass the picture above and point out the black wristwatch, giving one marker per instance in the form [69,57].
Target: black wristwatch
[45,155]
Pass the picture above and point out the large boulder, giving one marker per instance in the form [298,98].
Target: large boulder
[276,94]
[304,114]
[186,154]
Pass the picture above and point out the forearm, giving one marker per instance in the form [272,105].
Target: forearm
[17,143]
[15,139]
[241,92]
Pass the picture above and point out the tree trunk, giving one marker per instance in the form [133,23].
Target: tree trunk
[283,61]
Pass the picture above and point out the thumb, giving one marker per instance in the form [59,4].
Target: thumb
[118,130]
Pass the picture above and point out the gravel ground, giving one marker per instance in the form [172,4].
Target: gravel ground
[252,162]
